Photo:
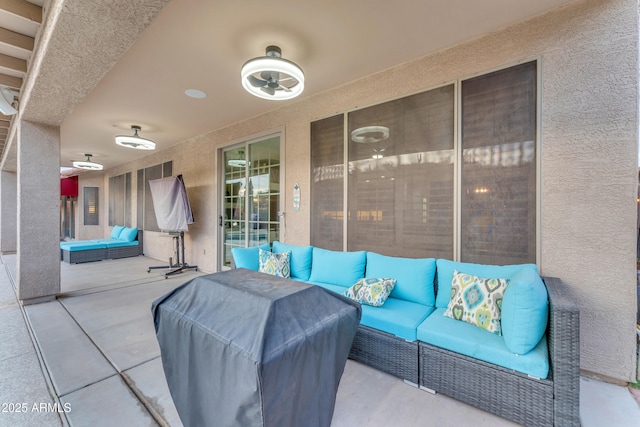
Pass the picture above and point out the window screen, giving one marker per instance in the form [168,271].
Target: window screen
[498,189]
[146,215]
[400,183]
[327,183]
[91,206]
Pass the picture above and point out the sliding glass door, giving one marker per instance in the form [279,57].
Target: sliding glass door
[250,196]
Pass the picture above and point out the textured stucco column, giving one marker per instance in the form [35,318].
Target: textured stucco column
[8,211]
[38,250]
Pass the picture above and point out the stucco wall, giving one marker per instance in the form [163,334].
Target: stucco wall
[589,75]
[87,232]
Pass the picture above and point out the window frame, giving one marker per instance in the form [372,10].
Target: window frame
[457,179]
[88,217]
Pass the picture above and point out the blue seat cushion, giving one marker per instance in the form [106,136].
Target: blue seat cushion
[83,246]
[472,341]
[337,268]
[120,243]
[300,262]
[445,270]
[69,243]
[248,257]
[396,317]
[105,241]
[414,276]
[115,232]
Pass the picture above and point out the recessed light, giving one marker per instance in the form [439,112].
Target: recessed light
[195,93]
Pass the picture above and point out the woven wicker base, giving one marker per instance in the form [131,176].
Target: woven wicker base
[497,390]
[76,257]
[124,252]
[90,255]
[554,401]
[386,353]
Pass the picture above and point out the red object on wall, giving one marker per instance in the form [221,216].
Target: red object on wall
[69,186]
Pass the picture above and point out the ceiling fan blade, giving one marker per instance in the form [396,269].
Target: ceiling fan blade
[269,90]
[286,89]
[265,75]
[256,82]
[287,78]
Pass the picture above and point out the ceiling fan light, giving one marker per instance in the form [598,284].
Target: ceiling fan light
[87,164]
[237,163]
[135,141]
[7,99]
[272,63]
[370,134]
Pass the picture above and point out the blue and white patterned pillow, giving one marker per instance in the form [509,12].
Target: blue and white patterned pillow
[371,291]
[477,301]
[275,264]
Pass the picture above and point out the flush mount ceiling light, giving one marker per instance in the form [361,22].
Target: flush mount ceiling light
[8,100]
[135,141]
[272,77]
[87,164]
[369,134]
[237,163]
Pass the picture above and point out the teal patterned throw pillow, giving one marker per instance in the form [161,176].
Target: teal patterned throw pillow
[477,301]
[275,264]
[371,291]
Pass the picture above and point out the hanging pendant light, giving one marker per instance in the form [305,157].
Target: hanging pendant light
[272,77]
[135,141]
[87,164]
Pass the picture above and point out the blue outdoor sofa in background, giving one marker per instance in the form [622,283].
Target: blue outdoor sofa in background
[123,242]
[529,374]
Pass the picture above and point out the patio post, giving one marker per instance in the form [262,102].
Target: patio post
[38,212]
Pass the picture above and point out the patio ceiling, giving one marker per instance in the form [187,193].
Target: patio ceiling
[202,45]
[19,24]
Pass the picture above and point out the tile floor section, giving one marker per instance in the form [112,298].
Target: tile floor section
[90,358]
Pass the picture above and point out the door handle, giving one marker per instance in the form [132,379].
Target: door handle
[221,221]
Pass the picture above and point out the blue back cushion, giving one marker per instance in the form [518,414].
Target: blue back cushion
[525,311]
[115,233]
[446,268]
[414,277]
[337,268]
[128,234]
[248,257]
[300,262]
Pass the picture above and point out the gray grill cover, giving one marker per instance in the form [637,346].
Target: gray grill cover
[242,348]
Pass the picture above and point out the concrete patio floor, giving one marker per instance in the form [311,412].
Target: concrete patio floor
[90,358]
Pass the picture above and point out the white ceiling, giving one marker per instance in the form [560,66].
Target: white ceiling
[197,44]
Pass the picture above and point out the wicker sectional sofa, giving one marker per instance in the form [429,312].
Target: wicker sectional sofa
[409,337]
[123,242]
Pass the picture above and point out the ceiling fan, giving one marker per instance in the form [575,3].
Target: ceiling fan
[270,82]
[272,77]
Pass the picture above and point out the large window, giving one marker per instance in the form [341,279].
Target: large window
[401,159]
[91,206]
[146,213]
[498,197]
[327,182]
[120,200]
[401,176]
